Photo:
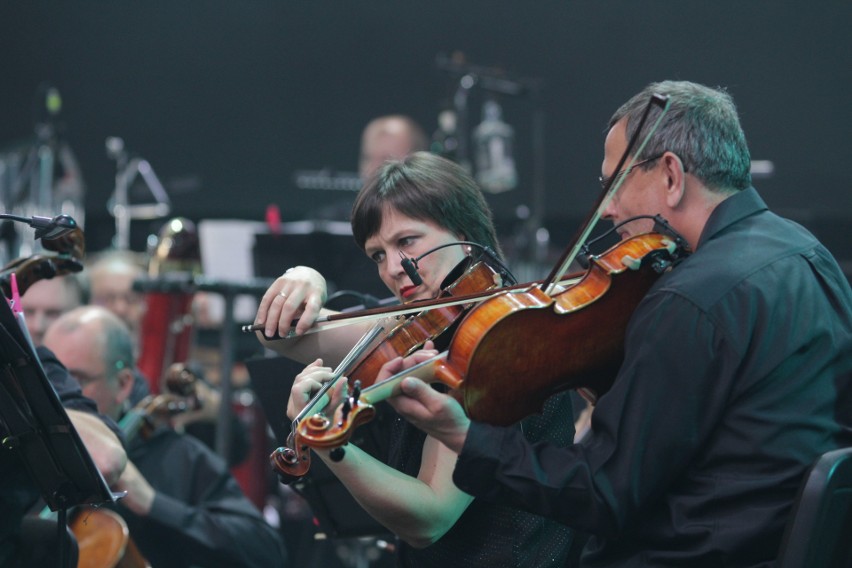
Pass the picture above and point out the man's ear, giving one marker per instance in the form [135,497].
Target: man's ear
[675,179]
[125,379]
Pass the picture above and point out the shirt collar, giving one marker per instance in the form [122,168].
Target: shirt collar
[735,208]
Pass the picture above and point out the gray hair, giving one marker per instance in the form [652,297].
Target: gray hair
[701,126]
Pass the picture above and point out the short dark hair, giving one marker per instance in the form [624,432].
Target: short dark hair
[427,187]
[701,126]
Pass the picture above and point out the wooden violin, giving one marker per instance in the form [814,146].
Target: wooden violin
[496,374]
[156,411]
[365,360]
[104,541]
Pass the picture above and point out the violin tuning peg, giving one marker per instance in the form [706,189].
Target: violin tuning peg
[337,454]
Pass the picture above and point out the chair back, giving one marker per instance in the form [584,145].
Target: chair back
[819,532]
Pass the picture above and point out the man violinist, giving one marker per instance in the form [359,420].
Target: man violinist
[737,373]
[183,508]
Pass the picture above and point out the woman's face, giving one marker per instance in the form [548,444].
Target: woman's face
[412,237]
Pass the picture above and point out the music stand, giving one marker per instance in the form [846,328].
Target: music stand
[40,432]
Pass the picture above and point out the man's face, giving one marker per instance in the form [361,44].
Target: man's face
[641,192]
[112,288]
[389,140]
[81,352]
[43,302]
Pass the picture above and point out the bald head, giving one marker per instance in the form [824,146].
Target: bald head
[95,346]
[389,138]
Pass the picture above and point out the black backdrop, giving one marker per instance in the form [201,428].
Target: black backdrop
[227,98]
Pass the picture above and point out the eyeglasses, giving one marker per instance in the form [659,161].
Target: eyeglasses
[605,180]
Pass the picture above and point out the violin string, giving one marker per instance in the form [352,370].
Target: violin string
[382,390]
[365,341]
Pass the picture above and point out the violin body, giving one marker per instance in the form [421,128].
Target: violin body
[413,332]
[515,350]
[104,541]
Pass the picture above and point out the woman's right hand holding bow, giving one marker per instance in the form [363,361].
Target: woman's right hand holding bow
[299,293]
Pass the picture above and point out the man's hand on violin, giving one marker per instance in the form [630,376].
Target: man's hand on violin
[398,364]
[308,383]
[299,293]
[437,414]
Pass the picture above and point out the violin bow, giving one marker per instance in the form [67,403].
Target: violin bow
[608,192]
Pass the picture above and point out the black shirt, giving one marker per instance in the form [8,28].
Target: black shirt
[737,377]
[200,516]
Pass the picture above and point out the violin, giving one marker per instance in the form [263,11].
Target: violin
[499,378]
[428,325]
[156,411]
[104,541]
[69,251]
[366,359]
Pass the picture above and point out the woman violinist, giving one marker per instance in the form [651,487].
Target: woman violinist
[408,208]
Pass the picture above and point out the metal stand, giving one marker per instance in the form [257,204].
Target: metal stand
[229,292]
[126,171]
[491,80]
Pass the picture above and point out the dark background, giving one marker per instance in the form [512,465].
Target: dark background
[227,99]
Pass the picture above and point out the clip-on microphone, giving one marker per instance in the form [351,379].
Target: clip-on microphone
[410,264]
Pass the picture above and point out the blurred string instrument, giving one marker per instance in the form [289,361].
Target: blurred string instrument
[102,535]
[66,245]
[496,371]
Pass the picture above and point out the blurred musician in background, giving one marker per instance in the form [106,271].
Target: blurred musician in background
[410,206]
[389,137]
[111,276]
[46,300]
[183,508]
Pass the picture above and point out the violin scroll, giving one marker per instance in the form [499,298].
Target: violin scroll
[292,460]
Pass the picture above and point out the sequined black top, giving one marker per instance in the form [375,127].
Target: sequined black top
[491,535]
